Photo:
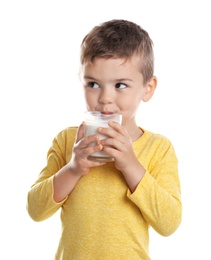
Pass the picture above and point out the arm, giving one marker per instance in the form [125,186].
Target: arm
[151,172]
[40,203]
[158,193]
[66,164]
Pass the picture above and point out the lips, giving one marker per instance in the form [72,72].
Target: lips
[106,113]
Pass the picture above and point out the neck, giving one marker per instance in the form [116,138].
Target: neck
[134,131]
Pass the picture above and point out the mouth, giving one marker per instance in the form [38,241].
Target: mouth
[106,113]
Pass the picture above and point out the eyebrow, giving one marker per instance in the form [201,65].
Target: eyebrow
[123,79]
[116,80]
[87,77]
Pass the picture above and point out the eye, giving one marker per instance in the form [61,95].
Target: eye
[93,85]
[120,85]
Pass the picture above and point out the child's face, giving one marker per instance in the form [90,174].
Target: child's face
[114,85]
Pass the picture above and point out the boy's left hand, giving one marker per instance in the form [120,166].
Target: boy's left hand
[119,146]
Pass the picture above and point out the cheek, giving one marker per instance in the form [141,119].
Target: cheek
[130,102]
[90,100]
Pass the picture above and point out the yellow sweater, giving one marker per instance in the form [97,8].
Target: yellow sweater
[101,219]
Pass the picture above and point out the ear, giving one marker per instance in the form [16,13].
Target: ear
[150,89]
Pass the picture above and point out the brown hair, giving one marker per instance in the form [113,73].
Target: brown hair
[119,38]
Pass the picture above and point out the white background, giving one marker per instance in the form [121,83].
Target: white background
[40,94]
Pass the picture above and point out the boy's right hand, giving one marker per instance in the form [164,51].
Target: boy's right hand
[79,164]
[67,177]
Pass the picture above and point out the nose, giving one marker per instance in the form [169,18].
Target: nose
[105,96]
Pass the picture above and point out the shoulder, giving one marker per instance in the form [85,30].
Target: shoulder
[159,139]
[66,135]
[157,143]
[68,132]
[158,146]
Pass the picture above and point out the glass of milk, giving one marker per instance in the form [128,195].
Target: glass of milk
[94,120]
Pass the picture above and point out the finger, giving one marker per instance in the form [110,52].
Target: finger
[91,139]
[117,133]
[113,144]
[119,128]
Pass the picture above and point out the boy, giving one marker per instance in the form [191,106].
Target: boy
[107,208]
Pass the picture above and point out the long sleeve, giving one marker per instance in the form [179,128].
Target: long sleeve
[40,203]
[158,194]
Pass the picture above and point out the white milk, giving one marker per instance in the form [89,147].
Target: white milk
[92,130]
[94,120]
